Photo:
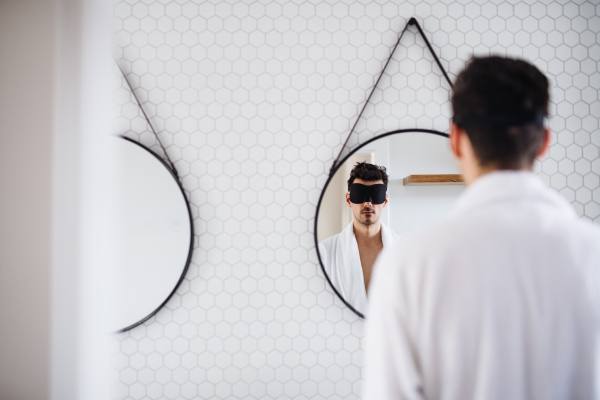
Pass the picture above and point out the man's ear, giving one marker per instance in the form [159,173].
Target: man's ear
[455,133]
[546,144]
[348,200]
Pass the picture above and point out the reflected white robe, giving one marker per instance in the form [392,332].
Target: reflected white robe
[341,259]
[499,301]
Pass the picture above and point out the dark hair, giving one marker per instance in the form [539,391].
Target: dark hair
[501,103]
[367,172]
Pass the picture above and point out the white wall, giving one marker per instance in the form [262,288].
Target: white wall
[83,182]
[52,198]
[254,101]
[27,90]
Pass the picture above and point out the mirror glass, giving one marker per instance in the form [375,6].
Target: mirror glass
[155,235]
[351,234]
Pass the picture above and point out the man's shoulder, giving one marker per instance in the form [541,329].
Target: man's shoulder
[397,238]
[393,237]
[585,235]
[433,239]
[474,233]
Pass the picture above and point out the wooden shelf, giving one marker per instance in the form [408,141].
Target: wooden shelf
[433,180]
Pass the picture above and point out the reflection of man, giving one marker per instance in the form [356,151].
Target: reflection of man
[500,300]
[349,256]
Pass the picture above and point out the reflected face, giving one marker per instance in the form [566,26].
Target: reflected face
[367,213]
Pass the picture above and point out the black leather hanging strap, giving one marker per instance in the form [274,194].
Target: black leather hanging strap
[148,120]
[369,98]
[411,21]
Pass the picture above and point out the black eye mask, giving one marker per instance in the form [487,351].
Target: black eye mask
[360,193]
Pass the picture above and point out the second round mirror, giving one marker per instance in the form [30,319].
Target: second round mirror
[154,235]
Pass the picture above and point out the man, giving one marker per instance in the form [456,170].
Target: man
[500,300]
[349,256]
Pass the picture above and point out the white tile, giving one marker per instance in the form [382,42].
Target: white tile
[583,195]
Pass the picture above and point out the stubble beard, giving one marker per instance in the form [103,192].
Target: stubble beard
[367,220]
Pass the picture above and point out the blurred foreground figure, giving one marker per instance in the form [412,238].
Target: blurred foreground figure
[500,300]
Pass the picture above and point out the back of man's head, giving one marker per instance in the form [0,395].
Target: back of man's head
[501,103]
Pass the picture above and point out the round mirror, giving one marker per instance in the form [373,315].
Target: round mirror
[384,189]
[154,235]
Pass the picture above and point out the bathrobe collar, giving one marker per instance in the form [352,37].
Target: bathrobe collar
[508,186]
[348,269]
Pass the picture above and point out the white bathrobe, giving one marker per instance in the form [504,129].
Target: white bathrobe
[341,259]
[499,301]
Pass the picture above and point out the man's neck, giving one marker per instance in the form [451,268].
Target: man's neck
[477,172]
[367,233]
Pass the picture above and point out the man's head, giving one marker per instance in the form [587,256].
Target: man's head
[499,105]
[366,195]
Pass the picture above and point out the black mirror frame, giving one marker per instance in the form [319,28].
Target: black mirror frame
[192,235]
[335,168]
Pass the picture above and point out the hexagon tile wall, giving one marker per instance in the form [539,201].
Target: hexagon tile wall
[253,100]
